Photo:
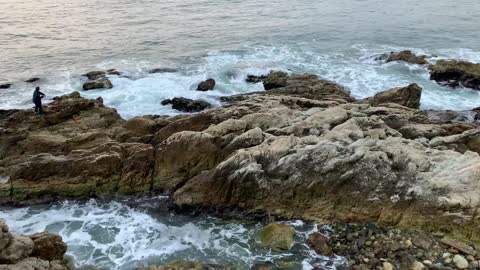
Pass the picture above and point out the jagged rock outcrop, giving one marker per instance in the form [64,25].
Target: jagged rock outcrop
[187,105]
[456,73]
[303,149]
[41,251]
[408,96]
[407,56]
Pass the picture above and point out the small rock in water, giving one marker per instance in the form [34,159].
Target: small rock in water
[255,79]
[409,57]
[207,85]
[31,80]
[5,86]
[102,83]
[114,72]
[277,236]
[319,243]
[94,75]
[460,262]
[187,105]
[162,70]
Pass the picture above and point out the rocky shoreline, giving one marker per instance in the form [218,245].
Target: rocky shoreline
[303,149]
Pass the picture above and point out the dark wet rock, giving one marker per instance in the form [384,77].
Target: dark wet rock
[408,96]
[114,72]
[255,79]
[187,105]
[407,56]
[5,86]
[94,75]
[162,70]
[31,80]
[382,56]
[319,243]
[263,266]
[207,85]
[276,79]
[101,83]
[456,73]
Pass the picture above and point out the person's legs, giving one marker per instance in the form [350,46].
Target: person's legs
[38,107]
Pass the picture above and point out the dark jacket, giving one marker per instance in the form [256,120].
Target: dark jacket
[37,96]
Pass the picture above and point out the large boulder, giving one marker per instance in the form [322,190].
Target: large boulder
[47,246]
[277,236]
[187,105]
[207,85]
[408,96]
[407,56]
[456,73]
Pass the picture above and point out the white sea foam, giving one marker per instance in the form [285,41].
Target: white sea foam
[115,236]
[140,93]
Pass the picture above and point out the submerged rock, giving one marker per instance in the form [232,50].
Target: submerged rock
[162,70]
[5,86]
[207,85]
[277,236]
[408,96]
[187,105]
[255,79]
[114,72]
[31,80]
[407,56]
[456,73]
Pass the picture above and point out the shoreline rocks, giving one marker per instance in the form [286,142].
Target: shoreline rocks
[41,251]
[187,105]
[408,96]
[456,73]
[303,149]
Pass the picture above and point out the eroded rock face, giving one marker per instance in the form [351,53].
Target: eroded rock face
[407,56]
[304,149]
[456,73]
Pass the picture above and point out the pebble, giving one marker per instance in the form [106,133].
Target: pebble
[460,262]
[446,255]
[387,266]
[427,262]
[408,243]
[418,266]
[470,258]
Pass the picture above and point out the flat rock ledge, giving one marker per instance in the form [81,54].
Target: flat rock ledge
[303,149]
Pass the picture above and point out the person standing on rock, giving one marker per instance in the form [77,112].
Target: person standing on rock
[37,100]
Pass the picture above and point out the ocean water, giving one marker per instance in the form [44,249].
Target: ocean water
[58,40]
[121,235]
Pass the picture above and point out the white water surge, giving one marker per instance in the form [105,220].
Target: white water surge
[137,93]
[114,235]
